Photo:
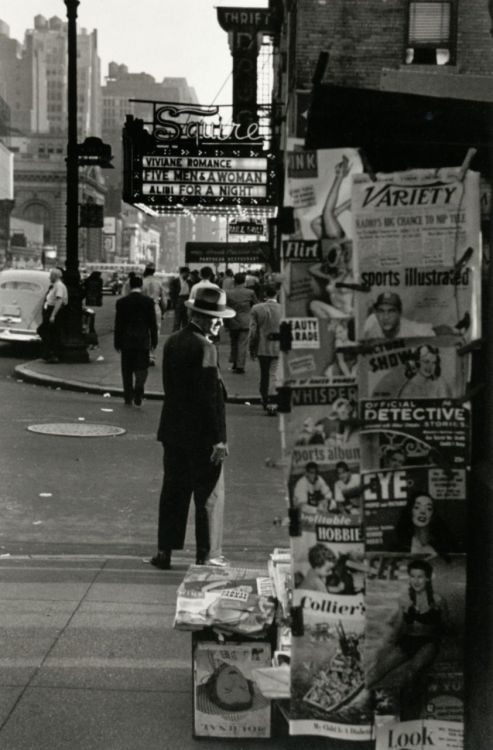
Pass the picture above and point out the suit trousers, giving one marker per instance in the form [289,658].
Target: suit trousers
[268,371]
[239,340]
[51,333]
[215,514]
[134,364]
[187,471]
[181,313]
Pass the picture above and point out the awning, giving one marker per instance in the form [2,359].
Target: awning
[401,131]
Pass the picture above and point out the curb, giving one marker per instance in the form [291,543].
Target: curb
[29,375]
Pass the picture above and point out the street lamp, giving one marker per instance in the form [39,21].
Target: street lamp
[75,348]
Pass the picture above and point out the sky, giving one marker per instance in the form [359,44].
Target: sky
[166,38]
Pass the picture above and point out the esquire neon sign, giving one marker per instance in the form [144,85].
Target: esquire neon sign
[167,129]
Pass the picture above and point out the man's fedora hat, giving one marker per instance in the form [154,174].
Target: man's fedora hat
[210,300]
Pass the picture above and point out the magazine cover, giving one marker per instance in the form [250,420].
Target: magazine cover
[417,250]
[414,432]
[415,612]
[318,186]
[323,415]
[328,694]
[328,554]
[420,735]
[325,479]
[234,600]
[227,700]
[418,511]
[319,303]
[400,369]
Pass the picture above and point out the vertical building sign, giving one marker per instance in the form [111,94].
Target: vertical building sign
[244,26]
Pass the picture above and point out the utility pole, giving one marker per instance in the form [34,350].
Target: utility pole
[75,349]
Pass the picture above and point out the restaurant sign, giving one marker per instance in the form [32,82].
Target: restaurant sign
[227,252]
[186,158]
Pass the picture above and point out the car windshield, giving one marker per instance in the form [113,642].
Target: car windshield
[24,286]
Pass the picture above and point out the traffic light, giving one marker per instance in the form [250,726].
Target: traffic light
[91,215]
[94,152]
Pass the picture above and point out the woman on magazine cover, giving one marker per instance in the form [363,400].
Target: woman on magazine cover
[417,628]
[424,375]
[421,531]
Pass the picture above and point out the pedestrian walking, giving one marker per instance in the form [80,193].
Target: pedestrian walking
[51,328]
[126,285]
[152,287]
[206,279]
[263,344]
[241,301]
[229,280]
[135,337]
[192,428]
[180,292]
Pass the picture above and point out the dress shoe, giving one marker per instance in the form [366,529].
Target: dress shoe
[137,400]
[162,560]
[218,562]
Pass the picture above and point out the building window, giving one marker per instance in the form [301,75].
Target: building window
[431,33]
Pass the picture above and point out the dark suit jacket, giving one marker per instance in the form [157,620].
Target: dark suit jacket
[135,323]
[193,411]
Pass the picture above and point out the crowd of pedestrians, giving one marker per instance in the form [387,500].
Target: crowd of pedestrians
[254,329]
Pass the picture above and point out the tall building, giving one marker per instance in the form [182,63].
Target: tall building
[23,83]
[33,78]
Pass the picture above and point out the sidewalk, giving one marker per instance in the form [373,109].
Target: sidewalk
[90,660]
[102,373]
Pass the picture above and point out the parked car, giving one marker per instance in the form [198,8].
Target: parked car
[112,283]
[22,293]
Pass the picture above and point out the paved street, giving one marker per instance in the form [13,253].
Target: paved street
[101,494]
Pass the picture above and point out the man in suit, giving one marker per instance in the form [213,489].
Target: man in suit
[263,342]
[135,337]
[192,428]
[180,291]
[241,300]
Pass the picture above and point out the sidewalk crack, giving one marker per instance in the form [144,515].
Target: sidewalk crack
[36,671]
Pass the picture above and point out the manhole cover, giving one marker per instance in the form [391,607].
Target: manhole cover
[77,429]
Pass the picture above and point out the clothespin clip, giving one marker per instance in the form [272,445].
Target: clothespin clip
[464,260]
[472,346]
[471,393]
[362,348]
[471,153]
[367,166]
[464,323]
[284,399]
[297,627]
[355,287]
[285,336]
[294,522]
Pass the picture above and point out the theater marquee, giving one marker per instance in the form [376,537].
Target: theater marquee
[181,160]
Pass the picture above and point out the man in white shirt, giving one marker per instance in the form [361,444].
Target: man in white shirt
[51,328]
[311,492]
[206,279]
[151,287]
